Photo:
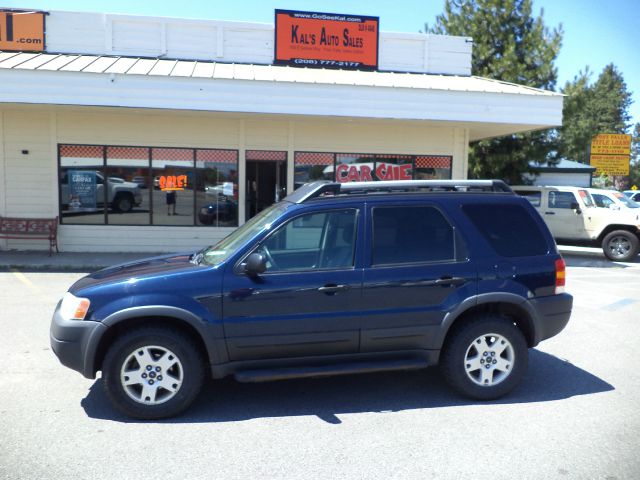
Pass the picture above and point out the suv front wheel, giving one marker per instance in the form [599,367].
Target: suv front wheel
[485,358]
[152,373]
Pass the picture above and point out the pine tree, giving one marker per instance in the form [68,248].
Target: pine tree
[590,109]
[511,45]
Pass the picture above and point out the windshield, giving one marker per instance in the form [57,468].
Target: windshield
[219,252]
[626,200]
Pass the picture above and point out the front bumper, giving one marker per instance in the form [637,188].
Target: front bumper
[553,315]
[75,342]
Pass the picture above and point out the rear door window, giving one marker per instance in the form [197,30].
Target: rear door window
[413,234]
[509,229]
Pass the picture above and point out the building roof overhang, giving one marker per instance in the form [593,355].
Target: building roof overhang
[563,166]
[488,108]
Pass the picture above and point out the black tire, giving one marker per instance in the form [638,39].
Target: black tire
[185,376]
[123,202]
[459,354]
[620,246]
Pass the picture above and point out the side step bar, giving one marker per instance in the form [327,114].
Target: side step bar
[266,375]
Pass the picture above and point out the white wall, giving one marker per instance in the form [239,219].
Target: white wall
[568,179]
[233,42]
[30,181]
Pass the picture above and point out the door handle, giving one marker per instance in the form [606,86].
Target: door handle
[331,288]
[450,281]
[549,213]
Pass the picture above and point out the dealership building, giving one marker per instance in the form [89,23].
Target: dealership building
[163,134]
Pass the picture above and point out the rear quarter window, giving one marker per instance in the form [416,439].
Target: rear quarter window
[533,196]
[509,229]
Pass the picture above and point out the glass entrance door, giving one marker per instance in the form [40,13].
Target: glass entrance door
[266,179]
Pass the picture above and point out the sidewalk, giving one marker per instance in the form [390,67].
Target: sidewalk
[65,261]
[89,262]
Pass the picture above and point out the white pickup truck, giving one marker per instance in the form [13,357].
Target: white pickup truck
[572,216]
[122,196]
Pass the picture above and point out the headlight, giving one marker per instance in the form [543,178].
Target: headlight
[74,308]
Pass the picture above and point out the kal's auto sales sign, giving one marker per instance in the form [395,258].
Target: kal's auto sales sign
[326,40]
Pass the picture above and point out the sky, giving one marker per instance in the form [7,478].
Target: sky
[596,32]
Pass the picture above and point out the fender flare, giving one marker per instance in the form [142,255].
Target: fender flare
[486,298]
[207,332]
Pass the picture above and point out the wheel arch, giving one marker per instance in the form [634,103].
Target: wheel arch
[613,227]
[507,305]
[136,318]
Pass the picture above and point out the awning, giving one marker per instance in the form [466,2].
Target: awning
[487,107]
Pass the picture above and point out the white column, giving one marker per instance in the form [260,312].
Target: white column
[53,164]
[460,167]
[242,173]
[290,156]
[3,186]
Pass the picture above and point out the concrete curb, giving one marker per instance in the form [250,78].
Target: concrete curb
[38,261]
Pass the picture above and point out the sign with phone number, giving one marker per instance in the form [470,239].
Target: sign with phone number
[610,164]
[326,40]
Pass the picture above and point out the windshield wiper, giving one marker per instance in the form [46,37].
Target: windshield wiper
[196,258]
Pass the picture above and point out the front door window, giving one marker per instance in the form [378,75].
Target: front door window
[321,240]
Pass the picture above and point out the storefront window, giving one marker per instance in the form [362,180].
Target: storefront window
[369,168]
[433,167]
[128,180]
[82,184]
[312,166]
[359,167]
[173,178]
[217,188]
[120,185]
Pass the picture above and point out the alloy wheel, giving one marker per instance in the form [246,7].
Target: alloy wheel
[151,375]
[489,360]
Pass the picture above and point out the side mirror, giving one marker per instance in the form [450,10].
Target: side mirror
[575,206]
[256,264]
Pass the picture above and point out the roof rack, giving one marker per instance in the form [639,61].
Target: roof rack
[323,188]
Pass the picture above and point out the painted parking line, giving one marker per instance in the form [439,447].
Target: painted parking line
[620,304]
[24,280]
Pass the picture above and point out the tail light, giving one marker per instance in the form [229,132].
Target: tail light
[561,275]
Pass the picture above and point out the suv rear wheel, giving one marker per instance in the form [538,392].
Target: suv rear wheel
[485,358]
[620,246]
[153,373]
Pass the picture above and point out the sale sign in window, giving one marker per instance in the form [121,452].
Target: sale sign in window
[326,40]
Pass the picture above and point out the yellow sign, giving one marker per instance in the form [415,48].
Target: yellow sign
[634,188]
[22,31]
[611,144]
[610,164]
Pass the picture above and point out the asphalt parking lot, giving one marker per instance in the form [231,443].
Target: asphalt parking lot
[576,415]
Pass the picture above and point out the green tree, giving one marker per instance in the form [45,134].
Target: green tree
[512,45]
[589,109]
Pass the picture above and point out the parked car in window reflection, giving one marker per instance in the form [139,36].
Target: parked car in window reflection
[223,210]
[140,181]
[122,196]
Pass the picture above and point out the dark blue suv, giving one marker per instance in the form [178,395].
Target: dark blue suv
[337,278]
